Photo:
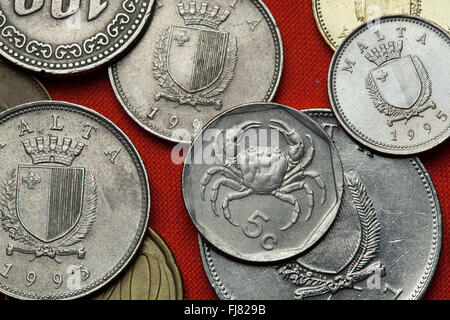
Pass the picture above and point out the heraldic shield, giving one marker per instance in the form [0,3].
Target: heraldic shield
[196,57]
[49,200]
[398,76]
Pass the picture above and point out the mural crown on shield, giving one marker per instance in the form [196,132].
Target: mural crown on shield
[385,52]
[51,152]
[49,207]
[205,17]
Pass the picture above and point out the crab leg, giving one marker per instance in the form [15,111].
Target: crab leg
[306,161]
[309,193]
[289,199]
[206,179]
[231,197]
[317,179]
[215,190]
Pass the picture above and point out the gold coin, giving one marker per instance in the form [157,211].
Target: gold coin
[18,87]
[153,275]
[336,19]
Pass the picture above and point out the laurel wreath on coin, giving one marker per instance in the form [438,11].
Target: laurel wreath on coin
[29,245]
[174,93]
[313,283]
[398,114]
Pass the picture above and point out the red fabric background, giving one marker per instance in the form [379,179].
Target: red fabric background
[303,85]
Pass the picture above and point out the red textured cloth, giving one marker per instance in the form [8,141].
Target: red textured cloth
[303,85]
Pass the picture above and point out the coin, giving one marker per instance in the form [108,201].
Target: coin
[197,60]
[74,203]
[262,182]
[154,275]
[384,243]
[336,19]
[14,81]
[388,87]
[65,37]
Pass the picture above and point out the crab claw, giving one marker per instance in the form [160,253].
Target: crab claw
[295,140]
[234,135]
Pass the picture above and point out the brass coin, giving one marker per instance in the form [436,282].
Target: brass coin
[336,19]
[18,87]
[154,275]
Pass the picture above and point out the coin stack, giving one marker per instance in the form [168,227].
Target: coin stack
[329,202]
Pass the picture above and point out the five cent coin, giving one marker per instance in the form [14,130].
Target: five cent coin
[75,201]
[17,87]
[63,37]
[336,19]
[262,182]
[197,59]
[384,243]
[154,275]
[388,85]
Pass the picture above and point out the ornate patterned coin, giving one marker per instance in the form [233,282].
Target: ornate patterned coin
[74,204]
[14,81]
[197,59]
[384,243]
[64,37]
[154,275]
[388,85]
[262,182]
[336,19]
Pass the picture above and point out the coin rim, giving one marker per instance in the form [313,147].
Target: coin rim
[321,26]
[433,259]
[166,135]
[89,66]
[145,187]
[173,266]
[397,150]
[38,84]
[324,224]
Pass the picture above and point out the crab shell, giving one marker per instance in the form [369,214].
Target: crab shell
[262,169]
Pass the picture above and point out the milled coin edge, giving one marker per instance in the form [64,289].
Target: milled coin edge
[318,17]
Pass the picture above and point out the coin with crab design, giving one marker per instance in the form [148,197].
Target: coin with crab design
[383,245]
[263,189]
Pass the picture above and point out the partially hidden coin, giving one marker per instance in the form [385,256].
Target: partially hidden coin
[18,87]
[388,85]
[196,60]
[74,203]
[337,19]
[65,37]
[154,275]
[262,182]
[384,243]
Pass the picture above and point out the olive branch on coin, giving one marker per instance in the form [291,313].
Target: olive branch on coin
[174,93]
[29,245]
[315,284]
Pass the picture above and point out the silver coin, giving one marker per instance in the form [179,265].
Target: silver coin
[388,84]
[384,243]
[197,59]
[263,189]
[64,37]
[74,203]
